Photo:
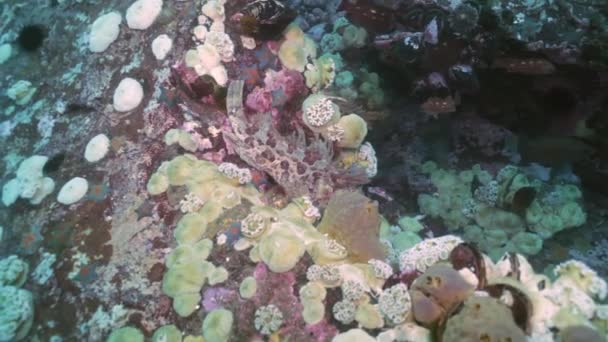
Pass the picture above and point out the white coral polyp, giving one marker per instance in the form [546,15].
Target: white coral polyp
[104,31]
[220,75]
[320,113]
[235,172]
[214,10]
[190,203]
[584,277]
[344,311]
[29,183]
[566,293]
[221,41]
[97,148]
[128,95]
[381,269]
[395,302]
[161,46]
[368,155]
[208,56]
[253,225]
[73,191]
[142,13]
[427,252]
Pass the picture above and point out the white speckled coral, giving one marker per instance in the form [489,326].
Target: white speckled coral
[73,191]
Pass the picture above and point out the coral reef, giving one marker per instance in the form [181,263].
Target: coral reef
[303,170]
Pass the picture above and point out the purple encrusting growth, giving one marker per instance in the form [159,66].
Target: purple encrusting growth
[279,289]
[217,297]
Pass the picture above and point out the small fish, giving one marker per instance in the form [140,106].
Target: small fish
[554,151]
[437,105]
[522,199]
[525,66]
[380,192]
[475,184]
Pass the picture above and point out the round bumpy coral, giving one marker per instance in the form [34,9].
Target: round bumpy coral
[344,311]
[253,225]
[13,271]
[16,313]
[381,269]
[268,319]
[352,290]
[297,49]
[394,303]
[584,277]
[427,253]
[329,275]
[233,171]
[327,251]
[217,325]
[126,334]
[319,111]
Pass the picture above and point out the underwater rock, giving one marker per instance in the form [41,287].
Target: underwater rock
[353,220]
[483,318]
[440,288]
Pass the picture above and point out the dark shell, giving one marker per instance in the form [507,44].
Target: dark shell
[53,164]
[521,308]
[514,261]
[265,21]
[203,86]
[475,184]
[522,199]
[466,255]
[265,11]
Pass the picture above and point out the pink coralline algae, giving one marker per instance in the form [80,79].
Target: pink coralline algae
[217,297]
[259,100]
[284,85]
[278,289]
[280,87]
[159,121]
